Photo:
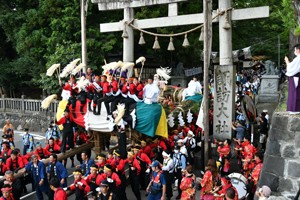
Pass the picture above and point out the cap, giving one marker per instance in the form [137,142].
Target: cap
[265,111]
[155,163]
[26,129]
[165,154]
[265,190]
[180,141]
[191,133]
[104,183]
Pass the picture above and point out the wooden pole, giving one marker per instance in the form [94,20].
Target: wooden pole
[83,33]
[61,156]
[207,5]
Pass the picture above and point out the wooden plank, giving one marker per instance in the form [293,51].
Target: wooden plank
[116,5]
[61,156]
[191,19]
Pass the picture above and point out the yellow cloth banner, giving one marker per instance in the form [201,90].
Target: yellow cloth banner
[162,127]
[60,111]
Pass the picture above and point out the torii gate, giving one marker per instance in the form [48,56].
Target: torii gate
[223,112]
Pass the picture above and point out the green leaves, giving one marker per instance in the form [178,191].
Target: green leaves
[36,34]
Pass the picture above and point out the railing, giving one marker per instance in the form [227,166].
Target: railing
[22,105]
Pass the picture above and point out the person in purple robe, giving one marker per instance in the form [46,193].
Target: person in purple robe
[293,72]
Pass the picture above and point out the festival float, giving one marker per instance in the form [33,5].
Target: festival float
[175,109]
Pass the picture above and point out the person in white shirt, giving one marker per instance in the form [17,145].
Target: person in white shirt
[151,92]
[194,87]
[267,115]
[168,169]
[293,72]
[190,144]
[182,149]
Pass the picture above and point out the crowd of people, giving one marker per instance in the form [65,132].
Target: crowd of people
[110,89]
[163,167]
[154,166]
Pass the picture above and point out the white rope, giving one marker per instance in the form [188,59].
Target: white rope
[174,34]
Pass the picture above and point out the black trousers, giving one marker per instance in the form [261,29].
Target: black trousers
[67,137]
[134,182]
[105,99]
[169,181]
[121,192]
[115,102]
[130,104]
[143,175]
[178,175]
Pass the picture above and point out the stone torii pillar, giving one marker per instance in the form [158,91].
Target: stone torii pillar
[224,76]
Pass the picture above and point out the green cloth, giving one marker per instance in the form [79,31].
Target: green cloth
[196,98]
[148,116]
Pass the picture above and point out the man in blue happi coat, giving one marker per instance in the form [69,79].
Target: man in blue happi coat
[39,176]
[57,170]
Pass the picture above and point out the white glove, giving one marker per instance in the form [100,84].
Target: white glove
[147,171]
[98,189]
[65,189]
[110,180]
[79,183]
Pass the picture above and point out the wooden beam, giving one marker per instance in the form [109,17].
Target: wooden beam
[191,19]
[62,156]
[116,5]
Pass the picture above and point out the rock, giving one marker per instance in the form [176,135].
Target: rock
[293,169]
[273,148]
[274,164]
[270,180]
[279,134]
[285,185]
[279,121]
[288,152]
[297,139]
[294,124]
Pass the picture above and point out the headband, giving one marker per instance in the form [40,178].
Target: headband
[106,168]
[6,189]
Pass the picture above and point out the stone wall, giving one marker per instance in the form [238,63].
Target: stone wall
[36,122]
[281,168]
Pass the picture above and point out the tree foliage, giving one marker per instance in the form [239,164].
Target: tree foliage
[34,34]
